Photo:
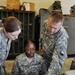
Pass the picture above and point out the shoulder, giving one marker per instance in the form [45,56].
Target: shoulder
[64,32]
[61,35]
[20,57]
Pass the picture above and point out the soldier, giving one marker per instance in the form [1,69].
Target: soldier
[53,43]
[29,63]
[10,31]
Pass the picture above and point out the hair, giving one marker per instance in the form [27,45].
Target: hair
[11,24]
[57,17]
[26,42]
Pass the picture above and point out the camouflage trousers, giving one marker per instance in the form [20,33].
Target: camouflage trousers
[2,70]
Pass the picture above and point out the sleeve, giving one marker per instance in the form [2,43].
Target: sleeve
[59,55]
[43,69]
[15,69]
[8,48]
[1,61]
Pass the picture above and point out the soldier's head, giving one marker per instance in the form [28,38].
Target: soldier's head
[29,48]
[12,27]
[55,21]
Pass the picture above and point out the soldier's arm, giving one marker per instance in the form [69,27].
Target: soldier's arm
[43,69]
[59,55]
[15,69]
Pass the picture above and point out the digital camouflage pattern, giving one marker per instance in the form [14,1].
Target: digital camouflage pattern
[23,67]
[54,49]
[4,50]
[4,47]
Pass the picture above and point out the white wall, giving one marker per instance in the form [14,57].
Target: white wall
[66,4]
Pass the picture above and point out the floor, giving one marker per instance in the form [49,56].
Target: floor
[66,67]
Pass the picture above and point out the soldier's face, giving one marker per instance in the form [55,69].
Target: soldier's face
[30,50]
[53,27]
[13,35]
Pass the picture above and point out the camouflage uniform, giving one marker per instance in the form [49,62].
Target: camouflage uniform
[4,48]
[23,67]
[54,49]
